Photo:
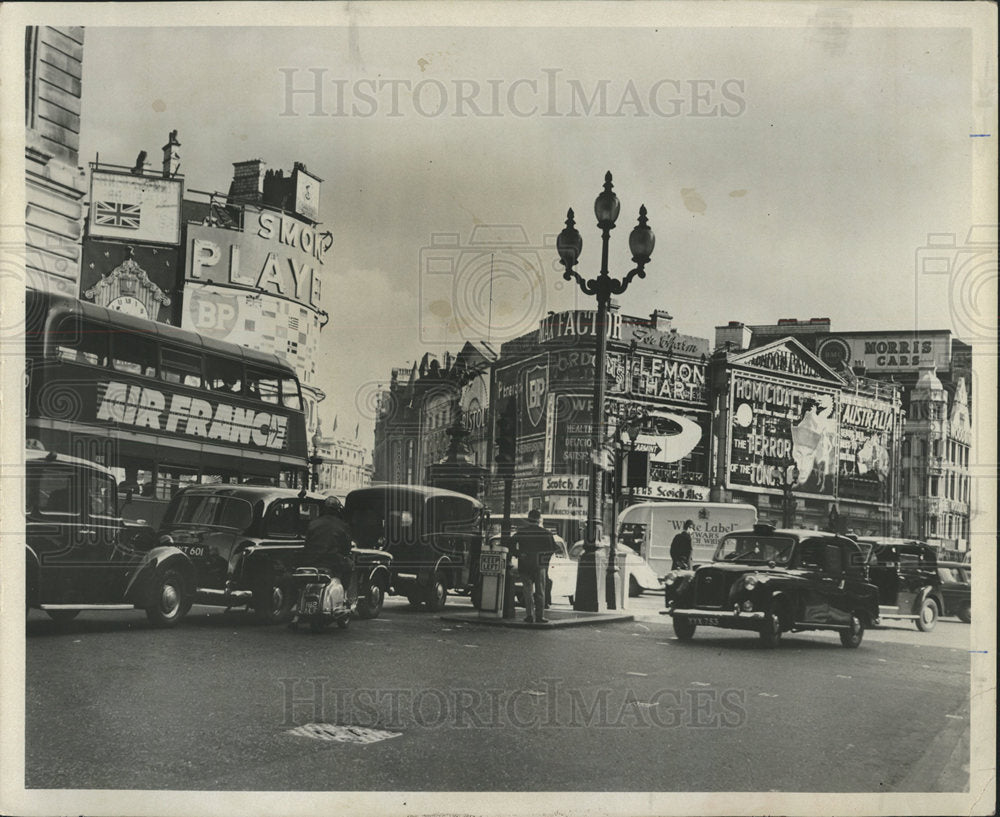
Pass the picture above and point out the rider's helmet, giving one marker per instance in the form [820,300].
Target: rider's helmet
[333,505]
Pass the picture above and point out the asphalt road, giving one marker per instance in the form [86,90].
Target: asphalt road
[223,703]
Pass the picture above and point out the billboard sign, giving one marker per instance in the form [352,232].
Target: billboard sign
[307,189]
[878,352]
[867,438]
[127,207]
[774,423]
[275,253]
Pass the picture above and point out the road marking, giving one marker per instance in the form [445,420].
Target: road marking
[956,717]
[766,695]
[699,684]
[665,643]
[474,646]
[643,627]
[640,674]
[847,677]
[342,734]
[883,661]
[534,692]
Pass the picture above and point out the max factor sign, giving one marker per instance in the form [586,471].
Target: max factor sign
[562,325]
[180,414]
[276,253]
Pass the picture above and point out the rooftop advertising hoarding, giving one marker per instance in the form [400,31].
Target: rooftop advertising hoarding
[139,208]
[777,423]
[867,441]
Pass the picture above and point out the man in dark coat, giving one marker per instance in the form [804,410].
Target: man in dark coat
[328,544]
[534,546]
[680,548]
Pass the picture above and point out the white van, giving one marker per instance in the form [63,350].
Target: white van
[650,527]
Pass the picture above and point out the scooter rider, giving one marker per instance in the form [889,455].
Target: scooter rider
[328,544]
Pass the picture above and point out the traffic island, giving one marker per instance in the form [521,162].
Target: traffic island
[556,618]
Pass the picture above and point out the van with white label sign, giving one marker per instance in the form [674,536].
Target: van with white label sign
[650,527]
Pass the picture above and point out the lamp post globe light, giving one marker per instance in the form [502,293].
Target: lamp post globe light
[569,245]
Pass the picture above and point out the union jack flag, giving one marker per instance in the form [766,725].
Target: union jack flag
[116,214]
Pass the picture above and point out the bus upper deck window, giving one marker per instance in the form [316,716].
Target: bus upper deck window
[80,340]
[224,376]
[133,353]
[264,387]
[180,367]
[290,397]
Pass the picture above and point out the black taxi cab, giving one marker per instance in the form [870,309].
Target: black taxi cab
[80,554]
[773,581]
[245,541]
[435,537]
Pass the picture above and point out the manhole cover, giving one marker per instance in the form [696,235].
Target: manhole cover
[342,734]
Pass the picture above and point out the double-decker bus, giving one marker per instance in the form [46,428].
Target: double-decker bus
[161,406]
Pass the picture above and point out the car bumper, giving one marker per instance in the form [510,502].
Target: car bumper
[720,618]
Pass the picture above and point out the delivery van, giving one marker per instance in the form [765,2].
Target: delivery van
[650,527]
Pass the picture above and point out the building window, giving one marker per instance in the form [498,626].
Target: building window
[934,486]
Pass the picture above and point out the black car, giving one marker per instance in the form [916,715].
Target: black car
[956,589]
[246,540]
[435,537]
[81,555]
[906,575]
[773,581]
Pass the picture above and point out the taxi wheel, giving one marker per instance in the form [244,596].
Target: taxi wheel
[62,616]
[770,634]
[852,638]
[272,603]
[964,613]
[415,600]
[477,596]
[371,604]
[437,594]
[683,628]
[634,590]
[170,602]
[343,622]
[928,614]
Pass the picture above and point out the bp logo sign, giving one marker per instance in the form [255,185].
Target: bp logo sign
[212,313]
[536,386]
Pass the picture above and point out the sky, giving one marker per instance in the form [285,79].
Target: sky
[791,169]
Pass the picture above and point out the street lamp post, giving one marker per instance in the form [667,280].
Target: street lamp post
[569,244]
[790,478]
[631,429]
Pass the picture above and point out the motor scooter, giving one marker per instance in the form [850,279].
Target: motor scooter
[322,600]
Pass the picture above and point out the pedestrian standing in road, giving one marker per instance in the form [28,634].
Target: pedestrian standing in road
[680,548]
[534,547]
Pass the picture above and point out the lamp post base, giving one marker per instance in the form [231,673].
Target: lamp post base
[591,586]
